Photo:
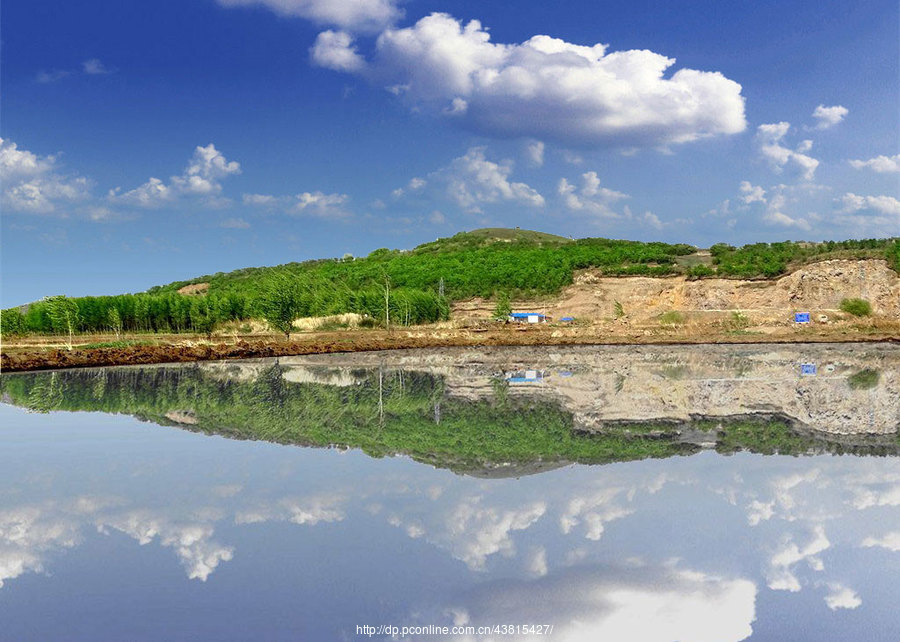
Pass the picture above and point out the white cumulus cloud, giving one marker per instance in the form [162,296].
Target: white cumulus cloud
[752,193]
[472,531]
[841,597]
[781,575]
[415,184]
[775,212]
[316,203]
[827,117]
[320,204]
[472,181]
[770,139]
[549,89]
[199,554]
[335,50]
[591,197]
[35,184]
[881,164]
[202,177]
[535,153]
[887,205]
[890,541]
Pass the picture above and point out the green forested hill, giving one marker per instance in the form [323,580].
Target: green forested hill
[475,263]
[415,286]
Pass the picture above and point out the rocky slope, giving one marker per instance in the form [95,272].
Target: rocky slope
[817,288]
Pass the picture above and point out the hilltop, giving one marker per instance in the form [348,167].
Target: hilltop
[508,253]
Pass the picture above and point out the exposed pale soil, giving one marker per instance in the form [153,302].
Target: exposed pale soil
[194,288]
[817,288]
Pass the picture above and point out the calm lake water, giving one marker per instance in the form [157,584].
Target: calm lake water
[696,494]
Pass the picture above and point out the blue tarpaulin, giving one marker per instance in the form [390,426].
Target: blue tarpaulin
[801,317]
[807,368]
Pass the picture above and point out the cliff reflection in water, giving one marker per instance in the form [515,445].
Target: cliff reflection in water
[515,410]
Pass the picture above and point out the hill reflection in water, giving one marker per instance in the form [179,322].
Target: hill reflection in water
[515,411]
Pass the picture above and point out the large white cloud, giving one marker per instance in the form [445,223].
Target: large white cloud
[35,184]
[356,15]
[547,88]
[202,178]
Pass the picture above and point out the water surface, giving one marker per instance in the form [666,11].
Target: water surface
[713,494]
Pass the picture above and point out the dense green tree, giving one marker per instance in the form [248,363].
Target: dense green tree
[503,308]
[115,320]
[203,317]
[279,303]
[12,322]
[64,317]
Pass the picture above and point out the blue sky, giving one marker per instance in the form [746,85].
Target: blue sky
[148,142]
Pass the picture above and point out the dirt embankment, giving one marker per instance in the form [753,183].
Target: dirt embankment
[38,358]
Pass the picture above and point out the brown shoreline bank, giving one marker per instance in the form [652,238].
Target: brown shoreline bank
[20,358]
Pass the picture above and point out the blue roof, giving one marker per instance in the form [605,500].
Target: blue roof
[523,315]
